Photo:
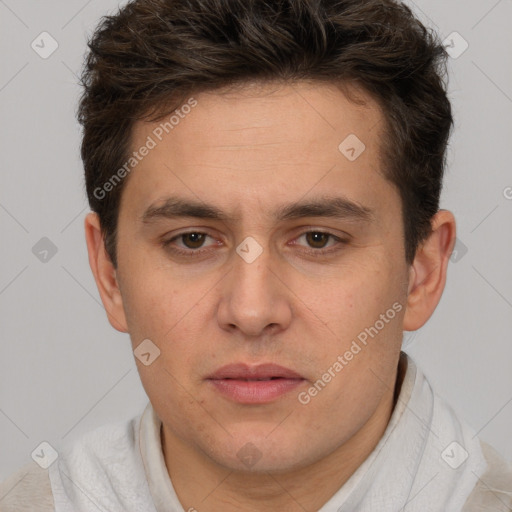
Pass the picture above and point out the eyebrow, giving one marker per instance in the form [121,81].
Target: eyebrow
[326,206]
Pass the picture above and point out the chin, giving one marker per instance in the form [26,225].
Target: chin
[257,453]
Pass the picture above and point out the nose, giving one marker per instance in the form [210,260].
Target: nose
[254,300]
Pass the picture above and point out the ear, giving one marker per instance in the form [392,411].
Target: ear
[104,273]
[427,274]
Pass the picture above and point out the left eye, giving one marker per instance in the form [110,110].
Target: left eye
[193,240]
[317,239]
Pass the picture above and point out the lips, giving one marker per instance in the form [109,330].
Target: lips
[259,372]
[254,384]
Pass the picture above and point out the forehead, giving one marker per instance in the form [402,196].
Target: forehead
[262,144]
[270,111]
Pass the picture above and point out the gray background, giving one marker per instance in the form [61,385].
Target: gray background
[64,370]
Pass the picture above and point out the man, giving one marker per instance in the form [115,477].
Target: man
[265,178]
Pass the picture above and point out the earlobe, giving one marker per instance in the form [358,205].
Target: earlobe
[427,275]
[104,273]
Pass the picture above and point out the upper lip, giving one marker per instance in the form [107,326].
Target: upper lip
[247,372]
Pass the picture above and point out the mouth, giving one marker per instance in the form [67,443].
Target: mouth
[259,384]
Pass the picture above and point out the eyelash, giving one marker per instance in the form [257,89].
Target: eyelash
[199,252]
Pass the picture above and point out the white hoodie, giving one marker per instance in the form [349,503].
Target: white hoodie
[428,460]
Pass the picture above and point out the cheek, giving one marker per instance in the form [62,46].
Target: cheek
[154,295]
[364,313]
[175,318]
[152,310]
[357,299]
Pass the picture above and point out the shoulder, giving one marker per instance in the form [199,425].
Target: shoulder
[107,449]
[26,490]
[493,490]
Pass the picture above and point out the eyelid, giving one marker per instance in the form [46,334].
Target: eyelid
[340,240]
[323,252]
[338,235]
[328,233]
[168,241]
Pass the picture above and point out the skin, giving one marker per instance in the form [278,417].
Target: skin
[248,152]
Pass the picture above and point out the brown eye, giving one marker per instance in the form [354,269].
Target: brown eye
[193,240]
[317,239]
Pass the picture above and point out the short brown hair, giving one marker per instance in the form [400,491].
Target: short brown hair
[148,57]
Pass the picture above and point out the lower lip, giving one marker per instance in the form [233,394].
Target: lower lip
[255,391]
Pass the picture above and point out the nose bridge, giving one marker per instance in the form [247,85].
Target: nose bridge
[251,286]
[253,298]
[251,268]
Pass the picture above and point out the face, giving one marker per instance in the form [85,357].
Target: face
[267,265]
